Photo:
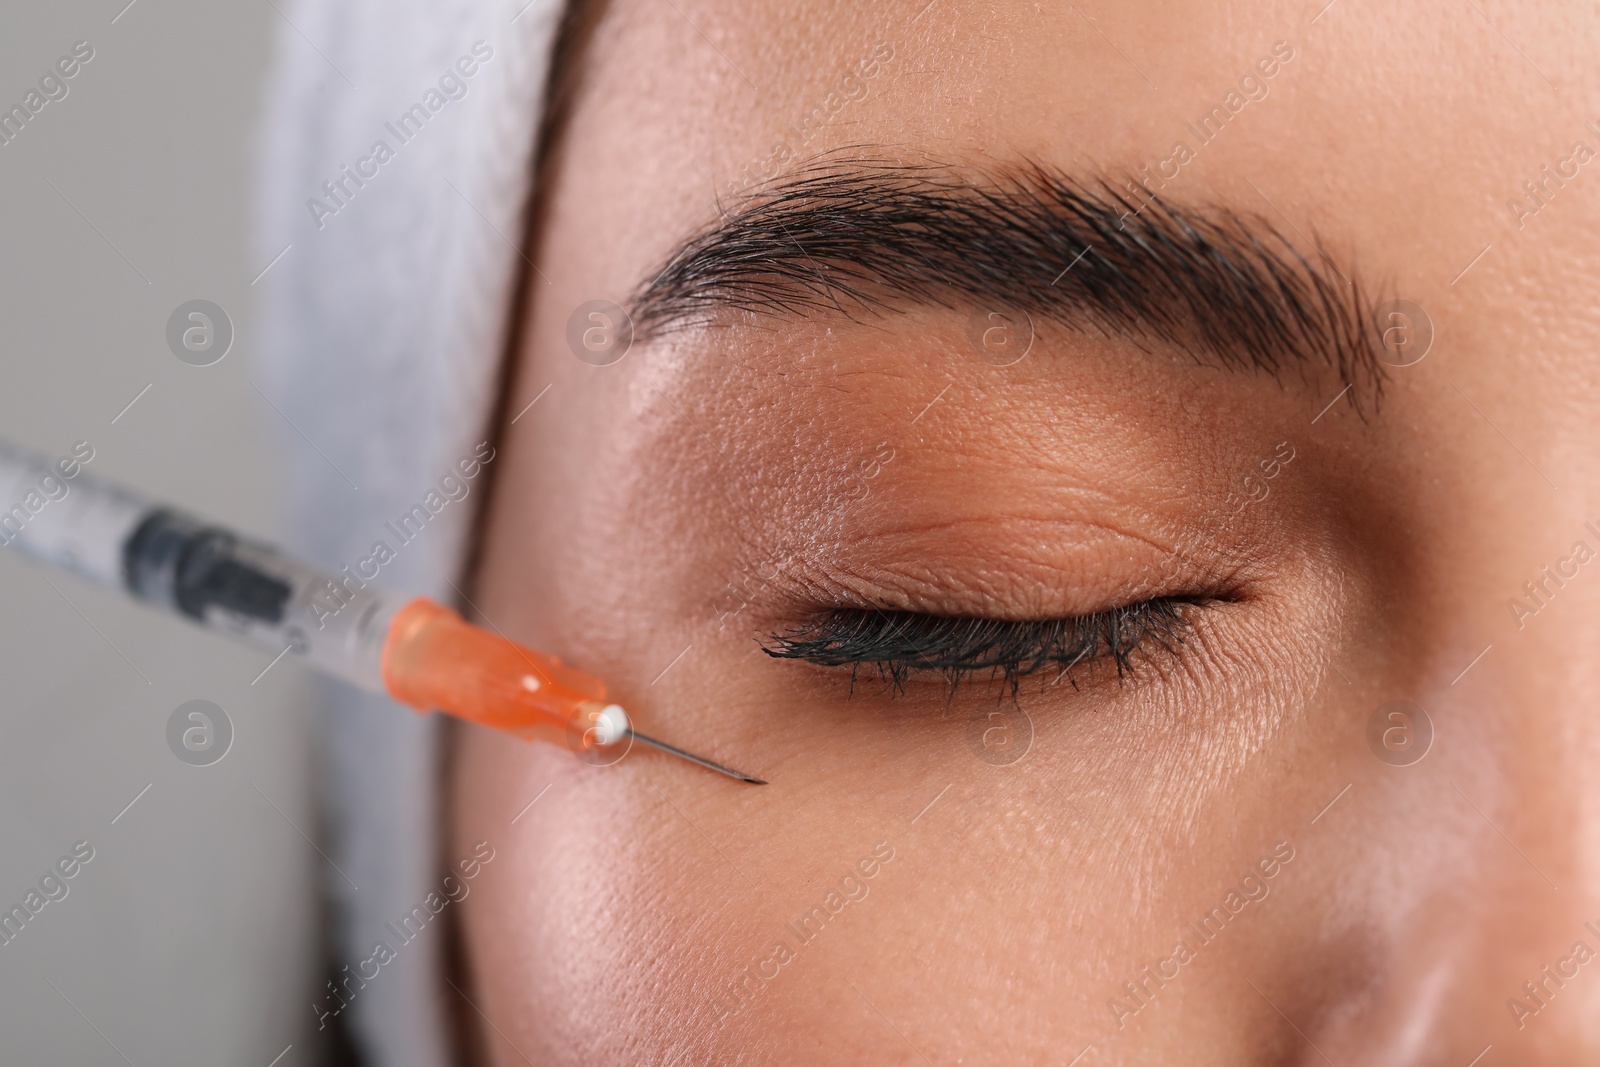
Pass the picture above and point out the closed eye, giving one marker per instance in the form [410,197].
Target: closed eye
[901,644]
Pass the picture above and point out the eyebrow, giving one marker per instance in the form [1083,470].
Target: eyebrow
[870,236]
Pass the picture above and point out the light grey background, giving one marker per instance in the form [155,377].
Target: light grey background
[191,935]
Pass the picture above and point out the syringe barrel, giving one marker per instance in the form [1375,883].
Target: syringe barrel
[336,623]
[56,513]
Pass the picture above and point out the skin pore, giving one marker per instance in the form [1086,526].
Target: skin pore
[747,473]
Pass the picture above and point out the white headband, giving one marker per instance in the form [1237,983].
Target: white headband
[394,172]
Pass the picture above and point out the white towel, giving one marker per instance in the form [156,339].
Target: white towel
[381,332]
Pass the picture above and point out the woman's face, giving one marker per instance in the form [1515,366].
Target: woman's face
[1226,851]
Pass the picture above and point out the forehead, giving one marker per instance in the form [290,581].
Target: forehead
[1256,106]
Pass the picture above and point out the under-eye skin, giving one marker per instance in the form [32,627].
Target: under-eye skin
[902,644]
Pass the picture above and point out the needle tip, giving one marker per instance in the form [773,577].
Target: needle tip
[697,760]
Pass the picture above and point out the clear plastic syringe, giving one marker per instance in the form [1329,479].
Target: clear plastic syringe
[419,652]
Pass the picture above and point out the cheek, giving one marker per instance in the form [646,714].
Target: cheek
[599,876]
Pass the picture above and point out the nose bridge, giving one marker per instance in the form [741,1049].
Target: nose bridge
[1541,697]
[1493,841]
[1529,981]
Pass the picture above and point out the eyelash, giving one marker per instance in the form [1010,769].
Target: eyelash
[901,643]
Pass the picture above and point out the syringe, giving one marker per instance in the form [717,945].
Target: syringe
[421,653]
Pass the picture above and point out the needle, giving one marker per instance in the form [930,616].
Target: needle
[692,758]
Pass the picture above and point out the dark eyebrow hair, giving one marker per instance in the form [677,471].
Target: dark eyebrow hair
[871,235]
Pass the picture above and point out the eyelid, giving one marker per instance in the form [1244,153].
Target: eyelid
[901,643]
